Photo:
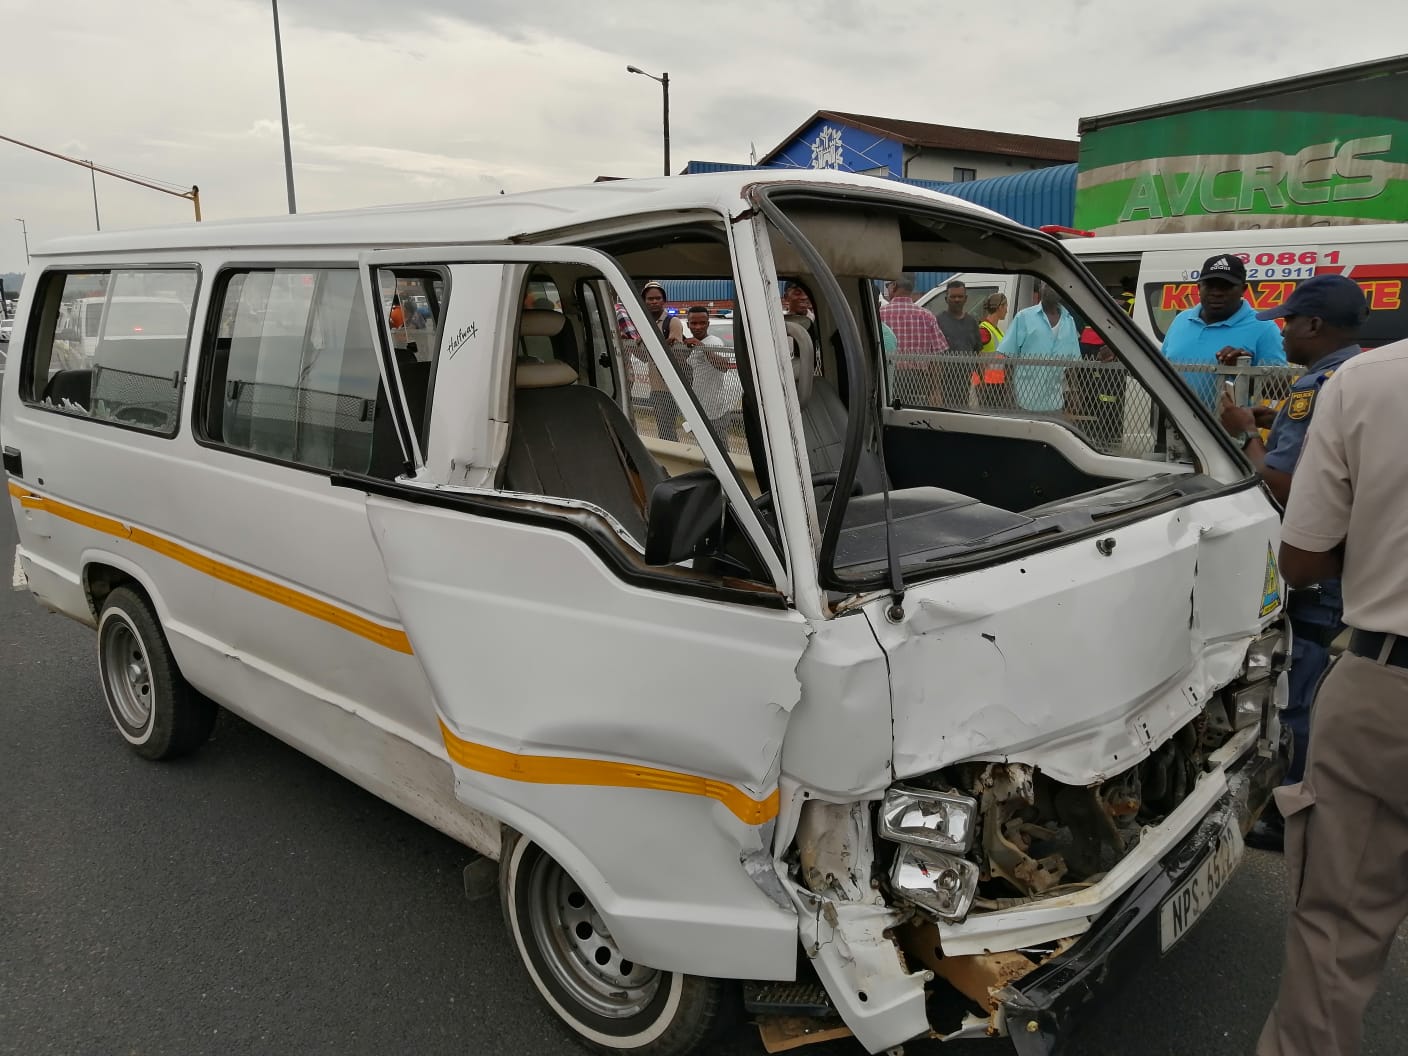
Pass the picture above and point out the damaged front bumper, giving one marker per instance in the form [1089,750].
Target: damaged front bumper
[1040,1010]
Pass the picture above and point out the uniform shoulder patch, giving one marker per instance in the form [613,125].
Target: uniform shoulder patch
[1300,404]
[1270,585]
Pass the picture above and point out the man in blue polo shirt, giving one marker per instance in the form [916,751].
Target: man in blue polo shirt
[1323,316]
[1221,327]
[1043,332]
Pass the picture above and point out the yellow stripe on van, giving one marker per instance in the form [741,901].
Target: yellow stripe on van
[391,637]
[558,770]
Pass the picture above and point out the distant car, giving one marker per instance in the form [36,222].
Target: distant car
[722,329]
[6,325]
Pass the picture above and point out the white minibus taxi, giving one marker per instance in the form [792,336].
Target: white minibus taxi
[916,722]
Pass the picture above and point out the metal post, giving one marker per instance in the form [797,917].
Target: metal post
[25,231]
[664,81]
[665,86]
[283,110]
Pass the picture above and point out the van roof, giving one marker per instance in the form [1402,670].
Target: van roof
[1211,241]
[493,218]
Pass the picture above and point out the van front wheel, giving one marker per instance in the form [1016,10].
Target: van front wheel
[606,1001]
[153,706]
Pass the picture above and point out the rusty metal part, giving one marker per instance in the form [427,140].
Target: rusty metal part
[1005,790]
[782,1033]
[977,977]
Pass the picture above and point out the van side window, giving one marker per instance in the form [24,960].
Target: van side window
[292,375]
[112,346]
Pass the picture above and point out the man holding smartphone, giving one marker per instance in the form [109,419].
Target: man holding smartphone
[1322,320]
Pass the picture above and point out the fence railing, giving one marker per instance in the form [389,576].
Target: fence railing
[1099,399]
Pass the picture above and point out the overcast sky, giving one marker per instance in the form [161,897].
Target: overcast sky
[430,99]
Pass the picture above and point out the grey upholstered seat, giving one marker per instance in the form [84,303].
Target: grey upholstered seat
[824,418]
[572,441]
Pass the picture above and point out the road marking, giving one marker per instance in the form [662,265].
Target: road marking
[18,581]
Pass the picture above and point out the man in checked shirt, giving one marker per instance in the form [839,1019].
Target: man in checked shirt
[920,344]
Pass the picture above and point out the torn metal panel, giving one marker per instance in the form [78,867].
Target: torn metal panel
[1007,663]
[864,973]
[784,1033]
[839,741]
[835,846]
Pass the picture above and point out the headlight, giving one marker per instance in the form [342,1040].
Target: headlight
[1249,704]
[1265,656]
[941,883]
[943,820]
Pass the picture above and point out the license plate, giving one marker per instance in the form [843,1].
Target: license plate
[1190,900]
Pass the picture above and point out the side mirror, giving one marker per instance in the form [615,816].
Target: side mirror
[683,511]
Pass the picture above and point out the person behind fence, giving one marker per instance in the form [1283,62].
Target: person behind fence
[1323,316]
[1220,328]
[671,332]
[1347,821]
[715,374]
[919,343]
[1045,331]
[962,333]
[990,379]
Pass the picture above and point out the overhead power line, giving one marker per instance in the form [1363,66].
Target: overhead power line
[192,195]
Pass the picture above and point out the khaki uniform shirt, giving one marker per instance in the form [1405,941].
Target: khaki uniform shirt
[1351,486]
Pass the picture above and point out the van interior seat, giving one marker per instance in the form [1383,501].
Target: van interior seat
[824,418]
[72,386]
[574,442]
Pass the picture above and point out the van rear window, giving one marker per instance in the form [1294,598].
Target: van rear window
[111,346]
[292,375]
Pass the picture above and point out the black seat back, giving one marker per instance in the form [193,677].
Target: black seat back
[574,442]
[824,429]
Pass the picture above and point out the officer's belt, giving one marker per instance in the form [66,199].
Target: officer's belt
[1370,645]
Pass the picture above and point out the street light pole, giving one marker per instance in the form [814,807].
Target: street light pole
[25,231]
[664,82]
[283,110]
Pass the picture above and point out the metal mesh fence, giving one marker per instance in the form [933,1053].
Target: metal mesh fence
[716,387]
[1097,398]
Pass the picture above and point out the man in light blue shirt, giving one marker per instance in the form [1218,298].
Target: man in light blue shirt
[1220,328]
[1044,331]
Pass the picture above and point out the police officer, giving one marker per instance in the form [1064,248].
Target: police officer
[1347,822]
[1323,316]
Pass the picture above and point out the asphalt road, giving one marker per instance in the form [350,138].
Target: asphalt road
[247,900]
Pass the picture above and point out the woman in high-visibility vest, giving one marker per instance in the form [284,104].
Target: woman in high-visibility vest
[991,379]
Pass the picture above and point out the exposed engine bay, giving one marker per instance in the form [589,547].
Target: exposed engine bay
[1035,837]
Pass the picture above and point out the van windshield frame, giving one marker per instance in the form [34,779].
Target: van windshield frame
[1221,469]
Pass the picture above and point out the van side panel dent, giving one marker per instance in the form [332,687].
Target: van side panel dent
[633,733]
[839,741]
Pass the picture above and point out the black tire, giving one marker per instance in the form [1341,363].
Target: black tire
[656,1014]
[153,706]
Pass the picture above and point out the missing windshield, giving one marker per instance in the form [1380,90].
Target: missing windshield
[969,386]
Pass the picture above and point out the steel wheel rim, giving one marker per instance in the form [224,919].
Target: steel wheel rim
[129,674]
[579,950]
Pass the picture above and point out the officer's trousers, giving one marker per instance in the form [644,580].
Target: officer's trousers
[1347,855]
[1309,659]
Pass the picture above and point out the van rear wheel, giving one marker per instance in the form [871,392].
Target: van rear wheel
[606,1001]
[153,706]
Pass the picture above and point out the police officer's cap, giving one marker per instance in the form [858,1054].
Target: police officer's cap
[1337,300]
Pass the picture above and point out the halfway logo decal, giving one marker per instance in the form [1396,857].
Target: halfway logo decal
[1271,585]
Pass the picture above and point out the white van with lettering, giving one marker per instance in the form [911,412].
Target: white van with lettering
[1160,272]
[855,702]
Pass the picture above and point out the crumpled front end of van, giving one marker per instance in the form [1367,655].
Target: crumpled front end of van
[1081,738]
